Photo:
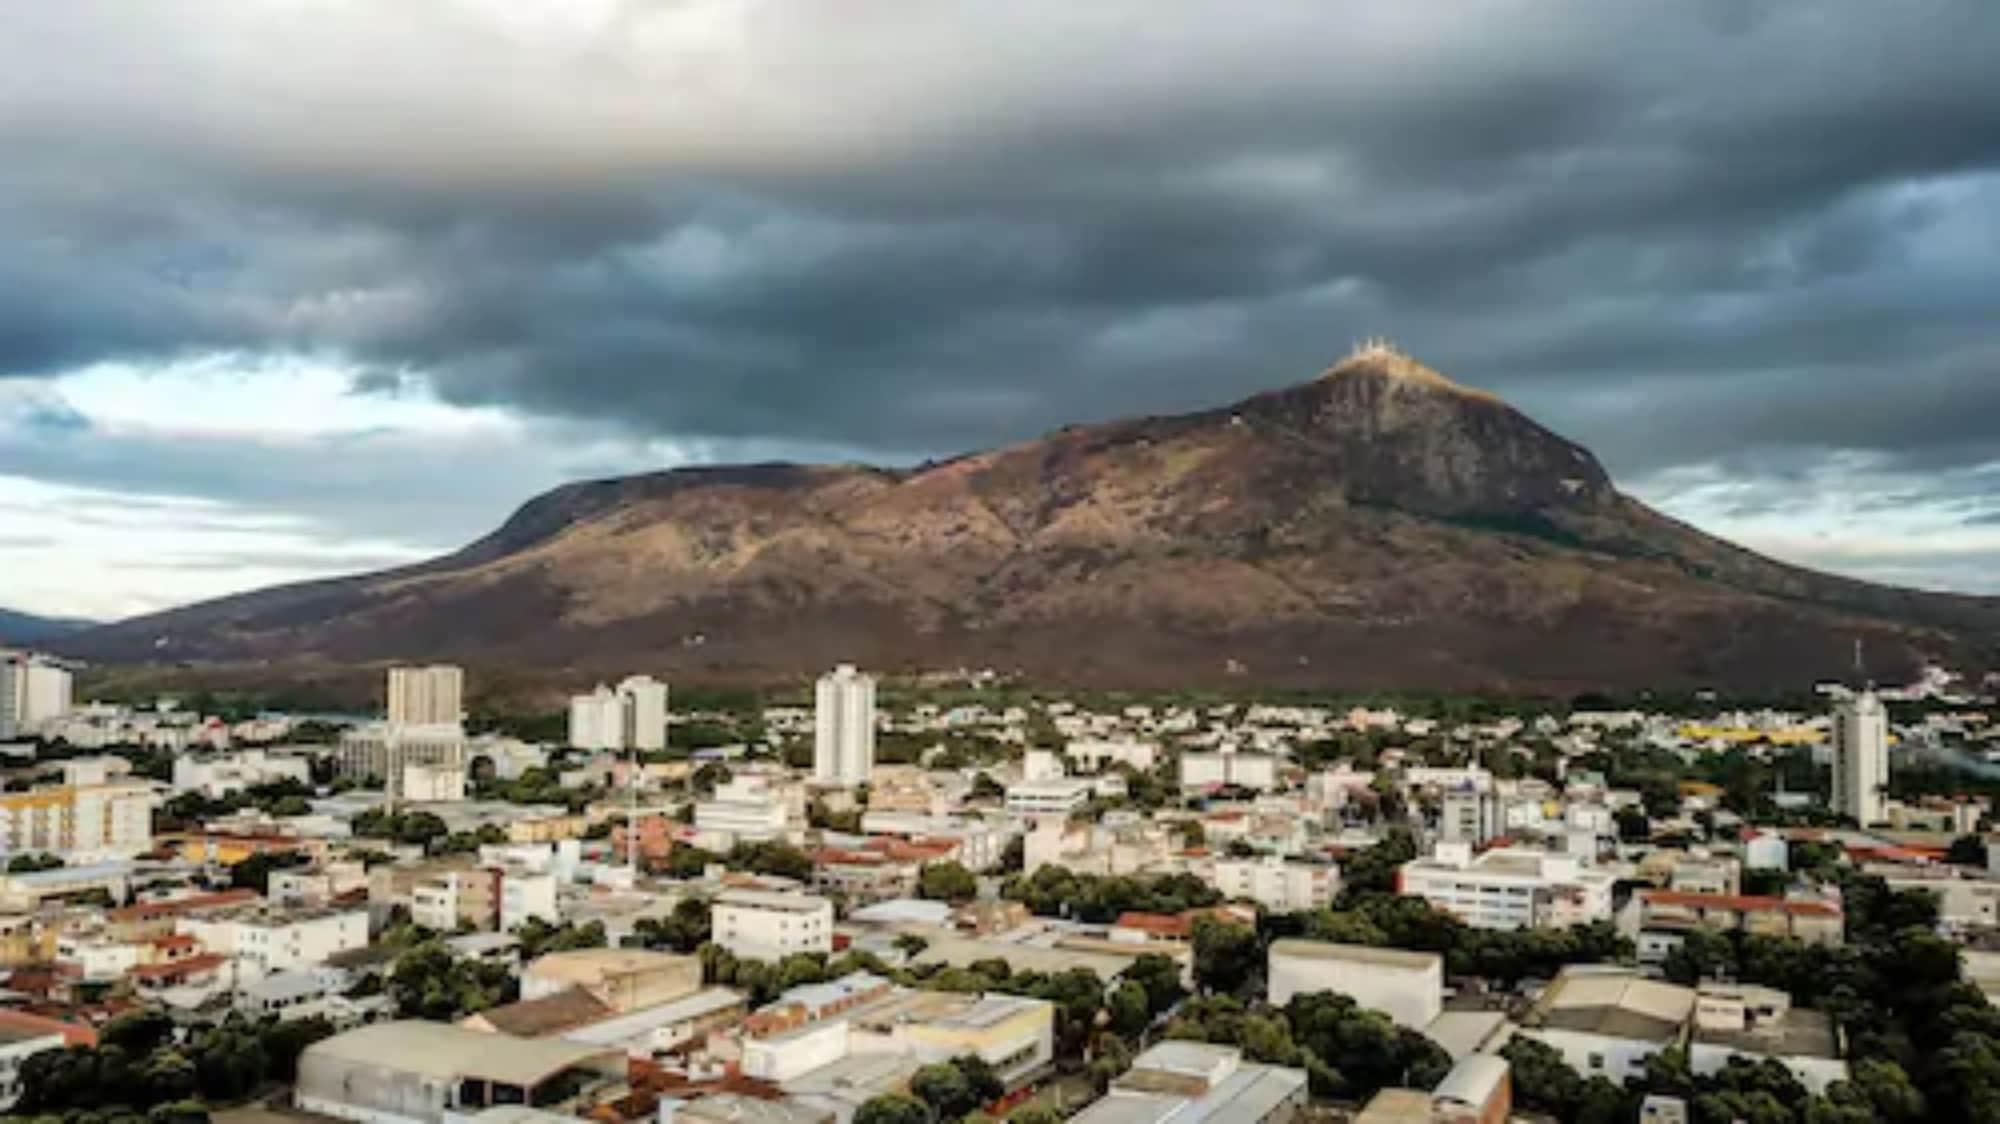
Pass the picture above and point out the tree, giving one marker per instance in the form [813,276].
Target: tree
[946,882]
[1160,977]
[1225,954]
[944,1088]
[1130,1010]
[892,1108]
[984,787]
[29,863]
[1967,850]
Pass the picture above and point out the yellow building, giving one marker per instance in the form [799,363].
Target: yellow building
[83,823]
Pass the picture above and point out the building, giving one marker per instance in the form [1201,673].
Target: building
[218,775]
[445,896]
[1659,920]
[1606,1020]
[1279,885]
[623,979]
[527,894]
[762,925]
[413,1072]
[631,716]
[381,753]
[809,1038]
[263,939]
[1228,768]
[1094,755]
[663,1026]
[1861,758]
[1198,1081]
[1478,1090]
[1471,815]
[426,696]
[1509,887]
[33,690]
[1054,797]
[1756,1023]
[82,823]
[433,784]
[746,808]
[843,727]
[1406,986]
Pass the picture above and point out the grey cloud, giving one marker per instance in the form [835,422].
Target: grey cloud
[1679,234]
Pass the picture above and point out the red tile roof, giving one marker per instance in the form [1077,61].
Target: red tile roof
[74,1034]
[1157,924]
[1741,903]
[178,969]
[145,911]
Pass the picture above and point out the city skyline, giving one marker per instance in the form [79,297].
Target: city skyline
[252,335]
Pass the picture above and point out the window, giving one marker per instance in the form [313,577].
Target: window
[1596,1063]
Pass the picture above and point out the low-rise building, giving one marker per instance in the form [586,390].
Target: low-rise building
[1228,769]
[262,938]
[1659,920]
[1406,986]
[1054,797]
[762,925]
[1756,1023]
[623,979]
[1606,1021]
[1189,1081]
[1509,887]
[1279,885]
[413,1072]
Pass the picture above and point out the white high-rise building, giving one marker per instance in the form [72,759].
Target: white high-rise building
[596,720]
[844,727]
[643,712]
[33,691]
[634,716]
[426,696]
[1861,758]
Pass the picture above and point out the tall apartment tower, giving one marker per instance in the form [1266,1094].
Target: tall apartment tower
[426,696]
[643,712]
[1861,758]
[844,727]
[632,717]
[32,691]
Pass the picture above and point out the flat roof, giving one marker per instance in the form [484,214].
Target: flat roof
[963,951]
[1358,953]
[1799,1034]
[611,1031]
[447,1052]
[771,899]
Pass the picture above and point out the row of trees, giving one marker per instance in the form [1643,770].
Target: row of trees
[1055,891]
[142,1062]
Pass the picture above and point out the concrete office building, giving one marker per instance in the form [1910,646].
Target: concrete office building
[426,696]
[843,727]
[1861,758]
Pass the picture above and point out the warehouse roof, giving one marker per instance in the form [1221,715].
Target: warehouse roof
[446,1052]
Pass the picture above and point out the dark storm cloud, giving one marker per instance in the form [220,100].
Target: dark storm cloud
[1673,232]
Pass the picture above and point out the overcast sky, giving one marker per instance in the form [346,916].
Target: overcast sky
[293,287]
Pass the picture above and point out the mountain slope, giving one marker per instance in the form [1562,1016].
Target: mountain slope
[1378,526]
[23,629]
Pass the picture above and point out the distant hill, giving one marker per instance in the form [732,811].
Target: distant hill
[1377,527]
[21,629]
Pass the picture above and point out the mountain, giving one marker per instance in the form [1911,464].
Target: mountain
[23,629]
[1379,526]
